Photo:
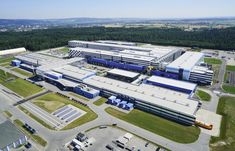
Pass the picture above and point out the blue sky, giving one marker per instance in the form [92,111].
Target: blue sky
[35,9]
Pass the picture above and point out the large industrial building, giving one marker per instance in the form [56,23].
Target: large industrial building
[169,98]
[122,53]
[188,68]
[171,62]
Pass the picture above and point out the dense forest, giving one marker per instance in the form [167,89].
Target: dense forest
[49,38]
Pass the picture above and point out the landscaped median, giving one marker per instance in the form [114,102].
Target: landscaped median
[160,126]
[226,140]
[22,72]
[204,96]
[17,85]
[34,137]
[100,101]
[51,102]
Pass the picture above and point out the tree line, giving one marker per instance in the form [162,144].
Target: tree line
[42,39]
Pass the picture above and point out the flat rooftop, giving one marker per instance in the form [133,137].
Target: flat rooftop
[113,45]
[165,98]
[9,133]
[172,82]
[123,73]
[115,54]
[74,72]
[187,61]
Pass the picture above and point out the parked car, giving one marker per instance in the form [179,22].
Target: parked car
[28,145]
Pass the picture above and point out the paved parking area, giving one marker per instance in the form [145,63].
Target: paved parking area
[209,117]
[68,113]
[106,136]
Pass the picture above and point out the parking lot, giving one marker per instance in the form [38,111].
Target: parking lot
[108,135]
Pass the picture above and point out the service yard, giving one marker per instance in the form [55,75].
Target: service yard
[108,136]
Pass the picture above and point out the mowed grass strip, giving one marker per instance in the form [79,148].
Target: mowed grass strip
[212,61]
[35,118]
[230,68]
[53,99]
[160,126]
[6,60]
[19,86]
[226,140]
[100,101]
[22,72]
[79,96]
[35,138]
[229,88]
[204,96]
[8,114]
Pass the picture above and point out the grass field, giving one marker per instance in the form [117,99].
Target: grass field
[65,49]
[203,95]
[51,102]
[230,68]
[212,61]
[22,72]
[19,86]
[226,140]
[158,125]
[8,114]
[35,117]
[229,88]
[79,96]
[35,138]
[6,60]
[100,101]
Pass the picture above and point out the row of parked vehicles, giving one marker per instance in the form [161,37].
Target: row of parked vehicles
[29,128]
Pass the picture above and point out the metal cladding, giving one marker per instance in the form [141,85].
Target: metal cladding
[165,74]
[113,64]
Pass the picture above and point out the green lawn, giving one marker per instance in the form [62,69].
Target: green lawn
[79,96]
[212,61]
[35,117]
[100,101]
[19,86]
[158,125]
[203,95]
[35,138]
[22,72]
[50,101]
[6,60]
[8,114]
[230,68]
[65,49]
[226,140]
[229,88]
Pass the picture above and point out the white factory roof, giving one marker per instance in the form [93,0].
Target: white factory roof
[172,82]
[12,51]
[187,61]
[123,73]
[202,70]
[74,72]
[165,98]
[115,54]
[117,42]
[113,45]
